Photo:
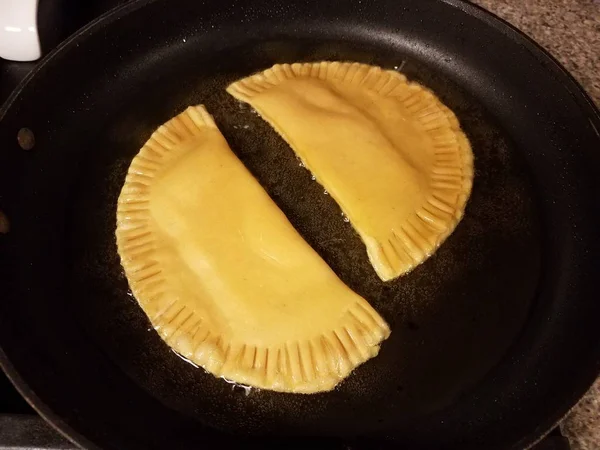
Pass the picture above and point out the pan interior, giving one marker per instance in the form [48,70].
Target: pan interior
[453,318]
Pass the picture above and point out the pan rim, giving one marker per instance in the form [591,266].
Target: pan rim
[552,66]
[102,20]
[36,403]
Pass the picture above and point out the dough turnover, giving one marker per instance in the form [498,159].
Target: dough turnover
[388,151]
[224,277]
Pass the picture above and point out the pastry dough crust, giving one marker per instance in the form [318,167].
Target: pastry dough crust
[224,277]
[388,151]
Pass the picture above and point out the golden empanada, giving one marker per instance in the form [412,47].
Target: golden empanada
[224,277]
[388,151]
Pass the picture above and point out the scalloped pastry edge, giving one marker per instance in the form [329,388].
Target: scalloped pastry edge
[313,365]
[414,241]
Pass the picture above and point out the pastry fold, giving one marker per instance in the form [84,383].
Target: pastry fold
[387,150]
[224,277]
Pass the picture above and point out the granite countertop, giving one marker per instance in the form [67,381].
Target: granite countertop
[570,31]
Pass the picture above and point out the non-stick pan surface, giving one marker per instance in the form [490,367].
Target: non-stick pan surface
[493,338]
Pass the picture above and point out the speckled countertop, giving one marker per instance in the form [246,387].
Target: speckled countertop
[570,31]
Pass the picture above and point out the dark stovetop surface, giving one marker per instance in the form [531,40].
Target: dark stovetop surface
[20,427]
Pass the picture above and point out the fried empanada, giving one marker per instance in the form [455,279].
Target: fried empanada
[224,277]
[388,151]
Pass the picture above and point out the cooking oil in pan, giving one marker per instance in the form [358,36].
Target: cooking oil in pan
[234,385]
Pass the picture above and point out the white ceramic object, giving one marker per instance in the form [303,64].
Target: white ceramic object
[19,39]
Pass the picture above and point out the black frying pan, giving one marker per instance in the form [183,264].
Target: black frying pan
[493,339]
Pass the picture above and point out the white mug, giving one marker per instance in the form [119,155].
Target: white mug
[19,37]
